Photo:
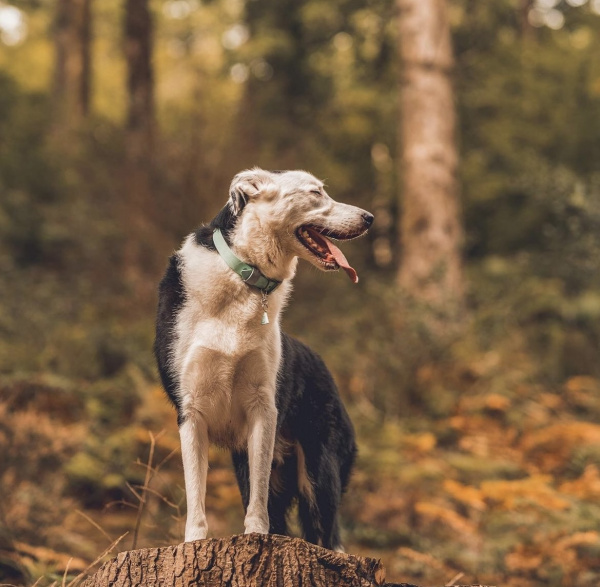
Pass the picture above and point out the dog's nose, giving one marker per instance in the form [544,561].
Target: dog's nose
[368,218]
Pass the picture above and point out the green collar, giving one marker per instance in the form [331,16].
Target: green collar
[249,274]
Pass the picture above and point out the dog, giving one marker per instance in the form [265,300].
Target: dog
[235,378]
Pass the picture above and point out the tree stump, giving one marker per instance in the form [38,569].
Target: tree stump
[253,560]
[241,561]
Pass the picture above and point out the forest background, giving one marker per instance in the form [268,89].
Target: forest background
[476,402]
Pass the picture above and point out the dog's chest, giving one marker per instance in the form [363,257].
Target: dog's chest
[223,354]
[225,317]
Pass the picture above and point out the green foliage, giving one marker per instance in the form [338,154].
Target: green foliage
[28,176]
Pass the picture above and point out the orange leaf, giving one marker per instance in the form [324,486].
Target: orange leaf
[447,516]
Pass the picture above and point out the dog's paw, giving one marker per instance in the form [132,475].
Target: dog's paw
[256,525]
[195,532]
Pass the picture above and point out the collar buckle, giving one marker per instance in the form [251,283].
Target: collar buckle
[250,275]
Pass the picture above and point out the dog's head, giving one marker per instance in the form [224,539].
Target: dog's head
[292,211]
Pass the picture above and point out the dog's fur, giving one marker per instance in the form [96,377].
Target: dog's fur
[248,386]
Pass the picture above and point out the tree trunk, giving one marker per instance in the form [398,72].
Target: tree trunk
[140,78]
[272,114]
[431,233]
[527,30]
[138,206]
[72,74]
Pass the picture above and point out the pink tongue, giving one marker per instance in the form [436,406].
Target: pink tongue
[342,261]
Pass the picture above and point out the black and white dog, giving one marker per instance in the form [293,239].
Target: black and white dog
[238,381]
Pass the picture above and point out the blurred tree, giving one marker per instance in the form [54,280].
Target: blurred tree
[140,78]
[281,94]
[138,204]
[431,232]
[527,30]
[72,75]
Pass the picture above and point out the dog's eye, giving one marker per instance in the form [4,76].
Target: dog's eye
[316,192]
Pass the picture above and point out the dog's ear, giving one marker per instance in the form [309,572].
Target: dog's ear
[247,185]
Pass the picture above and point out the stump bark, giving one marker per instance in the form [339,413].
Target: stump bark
[242,561]
[267,560]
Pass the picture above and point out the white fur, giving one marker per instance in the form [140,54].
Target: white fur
[226,360]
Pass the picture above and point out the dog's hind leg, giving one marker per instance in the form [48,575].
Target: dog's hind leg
[282,493]
[328,495]
[194,451]
[320,497]
[308,520]
[242,474]
[316,529]
[307,506]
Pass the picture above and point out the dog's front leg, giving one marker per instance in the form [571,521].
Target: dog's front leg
[262,423]
[194,451]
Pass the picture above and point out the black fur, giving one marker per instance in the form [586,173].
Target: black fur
[225,220]
[311,413]
[171,296]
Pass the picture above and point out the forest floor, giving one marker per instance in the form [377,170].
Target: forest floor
[501,488]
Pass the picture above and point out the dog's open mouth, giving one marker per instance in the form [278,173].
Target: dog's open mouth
[331,258]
